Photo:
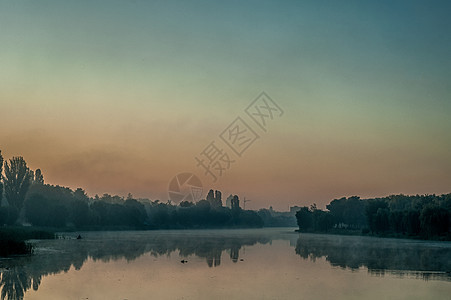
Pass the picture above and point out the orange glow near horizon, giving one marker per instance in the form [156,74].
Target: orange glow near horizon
[126,99]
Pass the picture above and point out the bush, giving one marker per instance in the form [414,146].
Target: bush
[10,247]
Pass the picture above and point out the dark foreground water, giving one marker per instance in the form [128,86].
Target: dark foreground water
[228,264]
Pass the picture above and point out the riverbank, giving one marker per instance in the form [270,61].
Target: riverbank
[14,240]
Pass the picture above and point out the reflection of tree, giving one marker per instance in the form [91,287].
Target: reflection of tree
[20,274]
[400,257]
[15,283]
[235,253]
[16,280]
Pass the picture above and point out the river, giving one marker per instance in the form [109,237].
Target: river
[274,263]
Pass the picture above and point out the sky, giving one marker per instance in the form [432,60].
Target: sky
[121,96]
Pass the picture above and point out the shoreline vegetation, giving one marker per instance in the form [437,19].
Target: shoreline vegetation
[426,217]
[29,205]
[15,240]
[27,200]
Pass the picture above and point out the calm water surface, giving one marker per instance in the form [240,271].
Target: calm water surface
[228,264]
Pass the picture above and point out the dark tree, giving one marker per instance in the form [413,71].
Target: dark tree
[214,198]
[218,198]
[80,194]
[80,213]
[354,212]
[348,212]
[411,222]
[41,211]
[136,213]
[381,220]
[375,213]
[235,203]
[38,177]
[8,215]
[36,210]
[434,221]
[322,220]
[396,219]
[337,208]
[1,177]
[186,204]
[210,196]
[17,181]
[304,218]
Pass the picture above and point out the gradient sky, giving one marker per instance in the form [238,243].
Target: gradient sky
[120,96]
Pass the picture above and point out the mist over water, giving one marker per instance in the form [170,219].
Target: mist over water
[234,264]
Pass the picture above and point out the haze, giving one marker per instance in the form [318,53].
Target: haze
[120,96]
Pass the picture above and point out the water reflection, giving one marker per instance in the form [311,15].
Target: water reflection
[20,274]
[418,259]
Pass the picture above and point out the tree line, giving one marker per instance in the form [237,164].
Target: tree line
[28,199]
[420,216]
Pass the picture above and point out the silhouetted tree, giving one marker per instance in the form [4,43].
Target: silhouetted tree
[159,216]
[17,181]
[434,221]
[1,180]
[381,221]
[304,218]
[322,220]
[38,177]
[37,210]
[31,172]
[235,203]
[210,196]
[249,218]
[136,213]
[218,198]
[41,211]
[337,208]
[354,212]
[348,212]
[8,215]
[377,214]
[186,204]
[314,219]
[427,216]
[396,220]
[112,199]
[214,198]
[411,222]
[80,213]
[80,194]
